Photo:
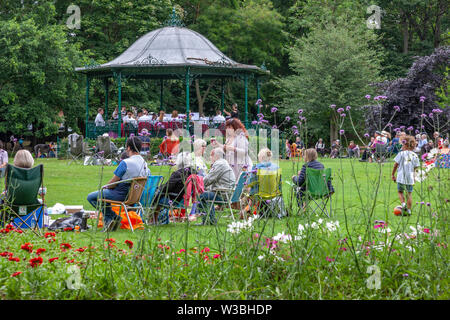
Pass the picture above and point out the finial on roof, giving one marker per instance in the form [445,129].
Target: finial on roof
[175,20]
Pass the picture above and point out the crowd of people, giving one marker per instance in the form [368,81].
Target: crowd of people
[134,116]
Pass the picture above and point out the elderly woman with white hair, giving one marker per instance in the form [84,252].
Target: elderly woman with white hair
[198,162]
[172,190]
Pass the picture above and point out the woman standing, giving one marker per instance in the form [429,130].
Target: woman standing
[236,147]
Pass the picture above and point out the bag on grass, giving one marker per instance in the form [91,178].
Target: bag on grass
[76,219]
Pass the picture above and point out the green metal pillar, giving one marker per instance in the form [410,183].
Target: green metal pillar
[106,97]
[246,100]
[188,79]
[161,93]
[222,102]
[88,83]
[119,104]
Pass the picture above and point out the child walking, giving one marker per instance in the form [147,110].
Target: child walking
[406,162]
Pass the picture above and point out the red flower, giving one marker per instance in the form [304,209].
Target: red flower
[64,246]
[52,259]
[205,250]
[68,229]
[27,247]
[15,274]
[216,256]
[51,240]
[70,261]
[129,243]
[40,250]
[5,231]
[111,240]
[10,227]
[49,234]
[11,258]
[36,262]
[426,230]
[18,231]
[4,254]
[81,249]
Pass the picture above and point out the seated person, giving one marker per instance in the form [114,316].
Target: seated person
[23,159]
[132,167]
[320,147]
[395,145]
[197,157]
[170,144]
[300,179]
[3,160]
[428,147]
[353,150]
[145,138]
[288,148]
[221,176]
[173,189]
[445,149]
[335,149]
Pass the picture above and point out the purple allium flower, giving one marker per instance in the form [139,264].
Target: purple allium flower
[423,115]
[341,132]
[294,127]
[428,204]
[368,96]
[366,135]
[431,115]
[296,133]
[343,115]
[274,127]
[417,131]
[300,111]
[422,127]
[260,115]
[397,108]
[264,121]
[402,127]
[410,128]
[333,106]
[258,102]
[274,109]
[437,111]
[288,118]
[396,129]
[422,99]
[348,108]
[131,135]
[340,110]
[389,125]
[254,122]
[405,275]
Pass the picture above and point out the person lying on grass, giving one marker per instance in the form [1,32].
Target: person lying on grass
[405,162]
[132,167]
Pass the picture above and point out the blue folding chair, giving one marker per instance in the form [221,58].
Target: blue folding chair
[148,195]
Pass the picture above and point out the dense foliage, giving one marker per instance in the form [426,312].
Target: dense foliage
[40,52]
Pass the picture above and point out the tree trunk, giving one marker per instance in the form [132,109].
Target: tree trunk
[201,99]
[405,32]
[333,130]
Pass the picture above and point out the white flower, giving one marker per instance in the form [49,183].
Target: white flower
[314,225]
[261,257]
[320,221]
[301,229]
[282,237]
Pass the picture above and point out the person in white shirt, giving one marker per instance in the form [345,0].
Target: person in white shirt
[99,122]
[219,118]
[406,162]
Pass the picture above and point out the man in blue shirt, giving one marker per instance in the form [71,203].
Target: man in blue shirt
[131,167]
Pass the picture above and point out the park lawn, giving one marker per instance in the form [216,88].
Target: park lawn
[184,261]
[354,182]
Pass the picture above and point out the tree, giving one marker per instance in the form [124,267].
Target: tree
[333,65]
[37,78]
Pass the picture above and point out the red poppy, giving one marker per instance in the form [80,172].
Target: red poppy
[49,234]
[216,256]
[36,262]
[110,240]
[4,231]
[205,250]
[40,250]
[70,261]
[80,249]
[15,274]
[4,254]
[11,258]
[18,231]
[27,247]
[10,227]
[129,243]
[68,229]
[64,246]
[52,259]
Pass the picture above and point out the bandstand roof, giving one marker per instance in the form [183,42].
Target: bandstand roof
[167,53]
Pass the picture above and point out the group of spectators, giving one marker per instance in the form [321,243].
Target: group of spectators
[134,116]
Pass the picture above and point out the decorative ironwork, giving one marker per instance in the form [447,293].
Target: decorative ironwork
[263,66]
[174,20]
[150,60]
[222,62]
[91,64]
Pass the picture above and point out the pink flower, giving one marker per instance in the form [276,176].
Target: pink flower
[216,256]
[426,230]
[329,259]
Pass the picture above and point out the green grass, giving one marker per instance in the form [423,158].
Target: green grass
[322,264]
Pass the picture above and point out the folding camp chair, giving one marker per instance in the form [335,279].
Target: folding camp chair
[76,147]
[229,196]
[148,195]
[267,196]
[132,201]
[21,206]
[381,153]
[317,192]
[105,149]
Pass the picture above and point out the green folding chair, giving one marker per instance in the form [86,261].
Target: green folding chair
[21,205]
[317,193]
